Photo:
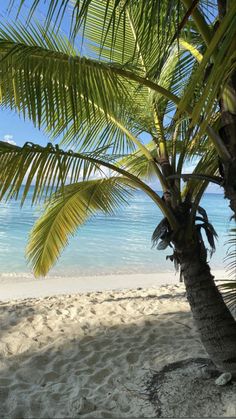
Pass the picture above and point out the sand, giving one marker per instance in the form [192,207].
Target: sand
[18,286]
[86,355]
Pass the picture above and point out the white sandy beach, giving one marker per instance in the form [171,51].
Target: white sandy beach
[17,286]
[86,354]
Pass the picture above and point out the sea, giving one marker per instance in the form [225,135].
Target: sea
[115,244]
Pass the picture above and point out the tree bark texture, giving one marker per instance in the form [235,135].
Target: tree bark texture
[215,323]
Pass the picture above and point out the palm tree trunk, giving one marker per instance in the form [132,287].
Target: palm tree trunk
[229,185]
[215,323]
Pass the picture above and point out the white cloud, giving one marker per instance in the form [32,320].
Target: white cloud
[103,173]
[8,138]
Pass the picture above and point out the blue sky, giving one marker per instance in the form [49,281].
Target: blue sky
[10,123]
[20,130]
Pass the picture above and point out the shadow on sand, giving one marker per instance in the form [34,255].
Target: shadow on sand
[83,367]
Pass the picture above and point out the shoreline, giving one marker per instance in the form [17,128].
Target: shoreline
[19,288]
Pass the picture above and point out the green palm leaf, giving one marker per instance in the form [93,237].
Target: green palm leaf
[122,33]
[211,87]
[52,84]
[136,163]
[122,42]
[67,211]
[47,169]
[69,95]
[230,258]
[168,15]
[207,168]
[152,12]
[228,288]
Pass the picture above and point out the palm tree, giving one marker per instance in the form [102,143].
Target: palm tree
[99,107]
[204,28]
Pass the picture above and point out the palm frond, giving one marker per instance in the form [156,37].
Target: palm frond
[132,27]
[161,13]
[207,168]
[228,288]
[48,83]
[97,131]
[45,80]
[160,62]
[210,232]
[47,169]
[211,86]
[168,15]
[66,212]
[198,176]
[230,258]
[137,164]
[136,31]
[162,235]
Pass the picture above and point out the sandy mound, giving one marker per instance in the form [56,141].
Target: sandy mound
[87,355]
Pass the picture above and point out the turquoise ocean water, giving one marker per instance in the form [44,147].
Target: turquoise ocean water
[106,244]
